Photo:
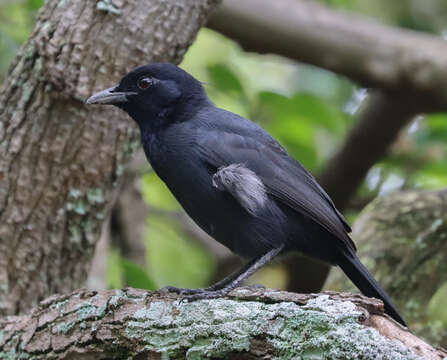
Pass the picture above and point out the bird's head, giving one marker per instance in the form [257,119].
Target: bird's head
[155,95]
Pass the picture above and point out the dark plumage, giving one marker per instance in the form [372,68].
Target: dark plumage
[236,181]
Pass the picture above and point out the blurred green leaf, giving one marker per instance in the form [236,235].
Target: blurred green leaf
[114,275]
[340,3]
[331,88]
[298,137]
[222,77]
[35,4]
[310,108]
[16,22]
[436,127]
[174,258]
[432,176]
[295,120]
[437,308]
[156,193]
[136,276]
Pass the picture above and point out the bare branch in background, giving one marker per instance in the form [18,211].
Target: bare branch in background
[370,53]
[406,67]
[129,215]
[378,125]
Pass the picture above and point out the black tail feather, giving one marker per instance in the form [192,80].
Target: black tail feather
[362,278]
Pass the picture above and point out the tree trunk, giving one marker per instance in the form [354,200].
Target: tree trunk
[253,324]
[60,162]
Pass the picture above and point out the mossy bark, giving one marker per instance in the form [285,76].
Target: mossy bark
[60,162]
[402,239]
[250,324]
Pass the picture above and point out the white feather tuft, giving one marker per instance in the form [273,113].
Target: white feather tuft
[246,187]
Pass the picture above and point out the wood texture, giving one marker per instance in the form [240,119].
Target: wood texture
[250,324]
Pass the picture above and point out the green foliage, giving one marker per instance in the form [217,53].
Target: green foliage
[295,121]
[437,308]
[136,276]
[434,129]
[114,273]
[156,193]
[340,3]
[174,258]
[34,5]
[225,79]
[428,16]
[123,272]
[16,21]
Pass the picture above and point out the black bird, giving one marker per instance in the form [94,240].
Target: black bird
[234,179]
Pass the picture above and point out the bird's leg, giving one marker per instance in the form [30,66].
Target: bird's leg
[228,279]
[219,285]
[232,281]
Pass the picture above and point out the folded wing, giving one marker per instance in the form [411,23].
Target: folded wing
[284,178]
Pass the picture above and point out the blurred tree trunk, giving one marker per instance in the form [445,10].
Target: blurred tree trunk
[402,239]
[129,215]
[60,162]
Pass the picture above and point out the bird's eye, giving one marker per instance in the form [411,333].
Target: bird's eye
[144,83]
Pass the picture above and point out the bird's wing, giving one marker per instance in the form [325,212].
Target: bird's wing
[285,179]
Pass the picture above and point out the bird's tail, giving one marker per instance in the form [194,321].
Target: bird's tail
[362,278]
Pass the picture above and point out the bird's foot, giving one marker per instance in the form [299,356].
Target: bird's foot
[181,291]
[206,295]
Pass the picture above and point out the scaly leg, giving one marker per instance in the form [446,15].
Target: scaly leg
[217,286]
[223,287]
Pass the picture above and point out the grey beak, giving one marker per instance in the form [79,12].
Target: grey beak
[109,96]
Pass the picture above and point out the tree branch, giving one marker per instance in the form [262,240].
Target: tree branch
[373,54]
[409,77]
[252,324]
[378,125]
[402,238]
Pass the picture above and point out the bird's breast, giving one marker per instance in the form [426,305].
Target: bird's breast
[217,212]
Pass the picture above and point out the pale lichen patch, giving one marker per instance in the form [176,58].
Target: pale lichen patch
[321,329]
[107,6]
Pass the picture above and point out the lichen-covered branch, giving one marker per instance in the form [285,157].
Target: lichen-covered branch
[402,239]
[61,163]
[251,324]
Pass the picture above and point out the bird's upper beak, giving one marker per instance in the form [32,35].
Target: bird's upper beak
[109,96]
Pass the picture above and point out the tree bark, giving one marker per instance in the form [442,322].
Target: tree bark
[251,324]
[60,162]
[402,239]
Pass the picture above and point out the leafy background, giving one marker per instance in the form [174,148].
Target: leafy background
[307,109]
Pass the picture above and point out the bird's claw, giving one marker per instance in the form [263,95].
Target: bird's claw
[205,295]
[181,291]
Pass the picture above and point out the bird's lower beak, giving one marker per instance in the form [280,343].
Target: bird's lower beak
[109,96]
